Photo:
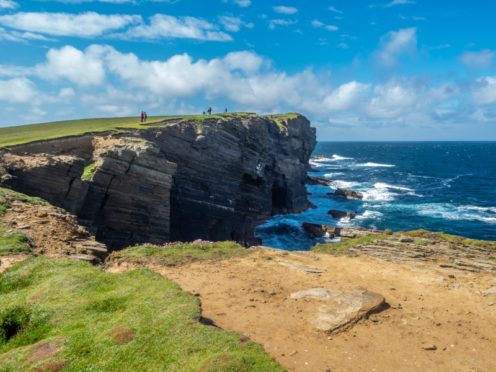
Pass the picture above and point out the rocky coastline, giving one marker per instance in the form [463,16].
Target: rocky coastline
[178,180]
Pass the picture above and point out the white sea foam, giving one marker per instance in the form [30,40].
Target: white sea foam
[381,194]
[315,164]
[457,213]
[321,159]
[478,209]
[340,184]
[333,174]
[368,215]
[382,185]
[371,164]
[336,157]
[325,159]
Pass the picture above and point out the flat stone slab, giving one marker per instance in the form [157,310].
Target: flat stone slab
[341,309]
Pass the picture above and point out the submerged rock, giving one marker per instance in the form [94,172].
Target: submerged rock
[319,231]
[349,194]
[312,180]
[341,214]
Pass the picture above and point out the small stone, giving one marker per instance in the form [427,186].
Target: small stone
[429,347]
[293,353]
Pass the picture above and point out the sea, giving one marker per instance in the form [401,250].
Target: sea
[438,186]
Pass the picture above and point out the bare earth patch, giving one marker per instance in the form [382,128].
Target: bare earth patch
[438,319]
[51,231]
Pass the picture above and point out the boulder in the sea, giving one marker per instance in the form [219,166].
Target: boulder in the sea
[341,214]
[349,194]
[312,180]
[319,231]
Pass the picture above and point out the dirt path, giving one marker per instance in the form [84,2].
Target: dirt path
[430,309]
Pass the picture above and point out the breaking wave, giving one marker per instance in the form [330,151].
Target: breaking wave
[376,165]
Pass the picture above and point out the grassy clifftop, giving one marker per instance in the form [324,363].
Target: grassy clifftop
[16,135]
[67,315]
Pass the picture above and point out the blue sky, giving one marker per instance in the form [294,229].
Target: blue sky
[361,70]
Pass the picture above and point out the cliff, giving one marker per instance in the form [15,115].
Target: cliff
[178,179]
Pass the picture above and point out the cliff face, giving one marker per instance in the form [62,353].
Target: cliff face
[214,179]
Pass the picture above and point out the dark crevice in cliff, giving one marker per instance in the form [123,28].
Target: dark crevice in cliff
[69,187]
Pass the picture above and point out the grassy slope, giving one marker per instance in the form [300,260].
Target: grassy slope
[7,196]
[179,253]
[35,132]
[419,236]
[13,243]
[92,320]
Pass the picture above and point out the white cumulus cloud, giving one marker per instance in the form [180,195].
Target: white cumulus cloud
[396,43]
[282,9]
[480,59]
[89,24]
[17,90]
[163,26]
[83,68]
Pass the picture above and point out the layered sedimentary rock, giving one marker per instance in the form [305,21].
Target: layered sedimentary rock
[212,179]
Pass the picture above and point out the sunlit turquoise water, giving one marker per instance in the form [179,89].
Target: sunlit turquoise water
[444,186]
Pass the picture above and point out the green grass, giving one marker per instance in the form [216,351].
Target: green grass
[88,172]
[71,315]
[16,135]
[450,238]
[281,119]
[420,238]
[13,243]
[344,246]
[179,253]
[7,196]
[37,132]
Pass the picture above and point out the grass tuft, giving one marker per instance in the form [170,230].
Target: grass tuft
[81,318]
[450,238]
[343,247]
[89,172]
[13,243]
[7,196]
[176,254]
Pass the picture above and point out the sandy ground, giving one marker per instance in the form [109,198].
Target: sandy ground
[430,308]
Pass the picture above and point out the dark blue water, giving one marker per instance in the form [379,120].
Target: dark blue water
[444,186]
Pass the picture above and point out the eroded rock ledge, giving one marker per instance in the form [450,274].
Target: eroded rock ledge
[214,179]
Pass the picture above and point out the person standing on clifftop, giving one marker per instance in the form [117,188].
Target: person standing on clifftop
[209,110]
[142,116]
[146,116]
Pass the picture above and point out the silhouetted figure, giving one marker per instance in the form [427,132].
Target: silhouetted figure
[142,116]
[225,110]
[209,110]
[203,112]
[146,116]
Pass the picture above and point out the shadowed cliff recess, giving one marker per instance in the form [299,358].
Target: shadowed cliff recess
[179,178]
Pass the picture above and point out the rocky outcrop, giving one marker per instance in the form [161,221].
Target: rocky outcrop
[212,179]
[312,180]
[51,231]
[348,194]
[319,231]
[341,214]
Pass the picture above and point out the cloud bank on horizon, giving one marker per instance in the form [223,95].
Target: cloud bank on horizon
[399,69]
